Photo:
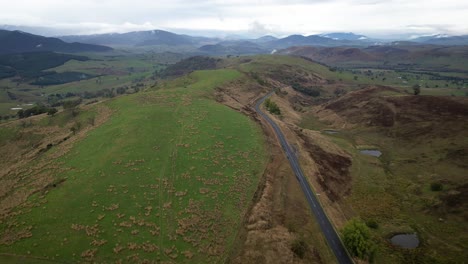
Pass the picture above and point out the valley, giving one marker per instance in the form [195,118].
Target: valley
[139,154]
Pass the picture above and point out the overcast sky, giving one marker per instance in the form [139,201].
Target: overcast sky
[247,17]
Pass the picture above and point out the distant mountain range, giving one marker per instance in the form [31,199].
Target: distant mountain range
[140,38]
[18,42]
[443,40]
[265,44]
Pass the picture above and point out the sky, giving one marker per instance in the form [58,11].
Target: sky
[254,18]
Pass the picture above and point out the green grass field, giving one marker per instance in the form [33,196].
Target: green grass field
[167,178]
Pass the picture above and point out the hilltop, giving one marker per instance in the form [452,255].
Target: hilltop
[17,42]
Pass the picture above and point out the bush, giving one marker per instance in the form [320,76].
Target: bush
[371,223]
[70,104]
[416,89]
[436,187]
[299,247]
[36,110]
[51,111]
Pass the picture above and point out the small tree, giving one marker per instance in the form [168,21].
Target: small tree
[416,89]
[356,237]
[272,107]
[51,111]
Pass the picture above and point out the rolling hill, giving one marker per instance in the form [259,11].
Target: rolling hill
[312,40]
[234,48]
[399,55]
[17,42]
[33,64]
[444,40]
[140,38]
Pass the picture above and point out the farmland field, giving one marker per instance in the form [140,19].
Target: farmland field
[91,76]
[168,177]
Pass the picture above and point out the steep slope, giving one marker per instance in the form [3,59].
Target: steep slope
[17,42]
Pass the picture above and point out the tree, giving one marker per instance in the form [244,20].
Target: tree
[21,113]
[272,107]
[416,89]
[51,111]
[356,237]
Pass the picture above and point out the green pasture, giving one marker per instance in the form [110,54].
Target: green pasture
[167,178]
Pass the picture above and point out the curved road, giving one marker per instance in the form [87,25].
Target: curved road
[331,236]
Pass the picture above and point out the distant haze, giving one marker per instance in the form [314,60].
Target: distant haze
[253,18]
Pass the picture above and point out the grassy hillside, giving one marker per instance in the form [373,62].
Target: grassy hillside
[167,178]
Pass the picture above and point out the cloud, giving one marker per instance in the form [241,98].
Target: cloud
[257,28]
[253,17]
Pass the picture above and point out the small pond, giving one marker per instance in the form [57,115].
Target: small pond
[405,240]
[371,152]
[331,131]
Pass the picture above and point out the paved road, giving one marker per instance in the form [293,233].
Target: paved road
[331,236]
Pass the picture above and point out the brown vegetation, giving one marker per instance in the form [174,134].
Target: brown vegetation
[402,116]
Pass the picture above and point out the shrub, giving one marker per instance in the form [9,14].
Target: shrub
[36,110]
[70,104]
[299,247]
[436,187]
[371,223]
[416,89]
[51,111]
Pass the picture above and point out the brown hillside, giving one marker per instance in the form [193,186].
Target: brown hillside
[332,55]
[418,114]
